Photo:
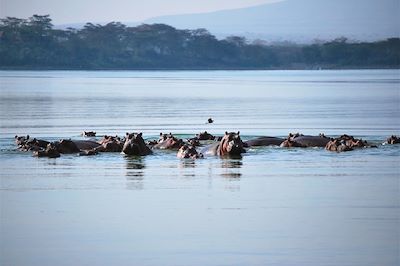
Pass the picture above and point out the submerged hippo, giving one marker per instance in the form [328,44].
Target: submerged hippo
[393,140]
[187,151]
[20,140]
[89,134]
[347,143]
[337,145]
[50,151]
[135,145]
[303,141]
[205,136]
[263,141]
[66,146]
[168,142]
[230,144]
[110,144]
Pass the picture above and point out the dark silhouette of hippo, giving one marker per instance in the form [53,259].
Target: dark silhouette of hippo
[210,120]
[205,136]
[393,140]
[66,146]
[110,144]
[89,133]
[299,140]
[51,151]
[230,144]
[263,141]
[135,145]
[187,151]
[20,140]
[168,142]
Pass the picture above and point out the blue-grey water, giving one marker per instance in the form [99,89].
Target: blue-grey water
[273,206]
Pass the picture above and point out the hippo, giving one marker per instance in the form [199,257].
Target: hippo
[110,144]
[50,151]
[20,140]
[263,141]
[347,143]
[66,146]
[299,140]
[393,140]
[337,145]
[230,144]
[187,151]
[135,145]
[161,139]
[169,142]
[89,134]
[193,142]
[29,144]
[205,136]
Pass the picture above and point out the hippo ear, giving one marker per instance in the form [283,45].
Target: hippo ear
[226,132]
[238,132]
[140,134]
[27,136]
[160,133]
[127,134]
[105,136]
[16,136]
[205,132]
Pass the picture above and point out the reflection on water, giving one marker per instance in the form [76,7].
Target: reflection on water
[231,167]
[134,172]
[187,163]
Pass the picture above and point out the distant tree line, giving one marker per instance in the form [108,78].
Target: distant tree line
[34,44]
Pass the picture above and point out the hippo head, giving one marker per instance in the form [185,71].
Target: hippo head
[193,142]
[358,143]
[66,146]
[231,144]
[187,151]
[164,137]
[289,143]
[51,151]
[21,140]
[89,133]
[135,145]
[393,140]
[169,142]
[338,145]
[205,136]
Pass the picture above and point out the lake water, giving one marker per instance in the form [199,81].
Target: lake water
[273,206]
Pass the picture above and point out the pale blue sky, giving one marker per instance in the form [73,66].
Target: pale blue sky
[75,11]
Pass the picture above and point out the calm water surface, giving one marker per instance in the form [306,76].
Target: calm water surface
[271,207]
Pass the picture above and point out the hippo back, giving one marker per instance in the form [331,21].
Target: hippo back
[311,141]
[264,141]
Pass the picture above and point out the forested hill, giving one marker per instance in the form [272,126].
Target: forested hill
[34,44]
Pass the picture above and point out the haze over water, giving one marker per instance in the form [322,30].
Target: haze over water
[273,206]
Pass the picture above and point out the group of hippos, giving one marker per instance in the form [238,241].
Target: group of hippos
[202,144]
